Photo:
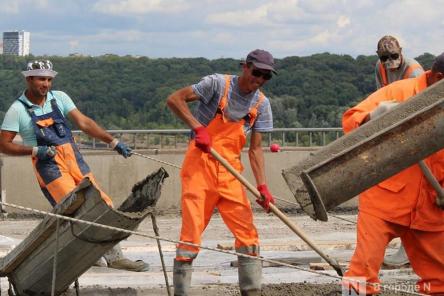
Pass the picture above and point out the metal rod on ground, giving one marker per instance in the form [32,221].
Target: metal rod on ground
[277,198]
[156,232]
[278,213]
[76,286]
[54,268]
[435,184]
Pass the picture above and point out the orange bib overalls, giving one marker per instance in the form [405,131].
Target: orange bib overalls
[59,175]
[206,184]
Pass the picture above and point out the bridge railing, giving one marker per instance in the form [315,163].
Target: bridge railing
[178,138]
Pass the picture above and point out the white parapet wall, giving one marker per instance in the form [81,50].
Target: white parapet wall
[116,176]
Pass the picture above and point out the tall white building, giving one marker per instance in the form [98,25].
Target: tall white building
[16,43]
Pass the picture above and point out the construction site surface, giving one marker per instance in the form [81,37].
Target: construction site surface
[213,272]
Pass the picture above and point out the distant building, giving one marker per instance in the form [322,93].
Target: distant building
[16,43]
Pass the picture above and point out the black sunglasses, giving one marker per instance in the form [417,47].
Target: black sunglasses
[258,73]
[393,56]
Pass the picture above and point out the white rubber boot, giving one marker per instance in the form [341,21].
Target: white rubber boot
[115,259]
[250,276]
[398,259]
[182,277]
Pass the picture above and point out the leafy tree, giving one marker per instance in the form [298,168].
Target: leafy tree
[125,92]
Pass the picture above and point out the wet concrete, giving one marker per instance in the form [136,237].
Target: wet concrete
[213,274]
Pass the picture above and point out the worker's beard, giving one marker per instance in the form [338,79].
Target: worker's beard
[393,64]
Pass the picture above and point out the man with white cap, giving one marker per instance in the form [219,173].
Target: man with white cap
[39,116]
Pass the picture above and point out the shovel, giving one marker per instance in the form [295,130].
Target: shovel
[333,263]
[435,184]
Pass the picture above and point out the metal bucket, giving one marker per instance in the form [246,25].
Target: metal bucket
[370,154]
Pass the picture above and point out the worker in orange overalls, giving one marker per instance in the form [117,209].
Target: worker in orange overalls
[391,66]
[402,206]
[229,107]
[40,115]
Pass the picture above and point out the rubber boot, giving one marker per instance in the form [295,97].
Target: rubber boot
[250,276]
[182,277]
[398,259]
[115,259]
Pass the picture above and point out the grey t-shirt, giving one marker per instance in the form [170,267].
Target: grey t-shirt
[399,73]
[211,89]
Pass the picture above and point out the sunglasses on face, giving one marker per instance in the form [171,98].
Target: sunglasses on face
[393,56]
[266,75]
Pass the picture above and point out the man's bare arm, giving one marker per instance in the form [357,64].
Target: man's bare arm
[8,147]
[177,102]
[256,156]
[89,126]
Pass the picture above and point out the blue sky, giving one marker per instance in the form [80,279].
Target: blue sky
[213,29]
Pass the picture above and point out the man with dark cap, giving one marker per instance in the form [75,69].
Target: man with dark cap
[403,205]
[392,65]
[229,108]
[40,115]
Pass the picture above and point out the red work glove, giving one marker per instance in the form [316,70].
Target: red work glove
[266,197]
[202,139]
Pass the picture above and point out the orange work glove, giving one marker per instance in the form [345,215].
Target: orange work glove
[266,197]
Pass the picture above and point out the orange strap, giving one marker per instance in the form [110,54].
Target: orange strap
[383,74]
[252,112]
[410,70]
[223,101]
[45,122]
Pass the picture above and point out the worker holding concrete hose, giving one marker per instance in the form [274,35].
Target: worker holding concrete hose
[229,107]
[404,205]
[391,66]
[39,116]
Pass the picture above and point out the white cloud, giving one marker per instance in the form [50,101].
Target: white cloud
[239,18]
[139,7]
[73,44]
[9,7]
[15,7]
[343,21]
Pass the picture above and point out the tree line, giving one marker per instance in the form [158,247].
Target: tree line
[125,92]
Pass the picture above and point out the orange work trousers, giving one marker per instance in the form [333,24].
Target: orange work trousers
[207,185]
[62,174]
[425,250]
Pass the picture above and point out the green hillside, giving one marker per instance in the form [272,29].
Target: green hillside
[129,92]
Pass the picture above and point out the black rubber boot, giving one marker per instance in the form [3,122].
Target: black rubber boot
[182,277]
[250,276]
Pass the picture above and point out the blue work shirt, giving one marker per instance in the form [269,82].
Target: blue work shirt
[17,118]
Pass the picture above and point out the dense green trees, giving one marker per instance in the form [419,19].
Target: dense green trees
[129,92]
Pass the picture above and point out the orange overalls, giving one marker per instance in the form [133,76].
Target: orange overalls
[401,206]
[59,175]
[407,73]
[206,184]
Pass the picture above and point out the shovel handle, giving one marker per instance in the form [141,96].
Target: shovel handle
[276,211]
[435,184]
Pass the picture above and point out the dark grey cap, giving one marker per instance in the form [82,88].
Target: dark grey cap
[438,64]
[261,59]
